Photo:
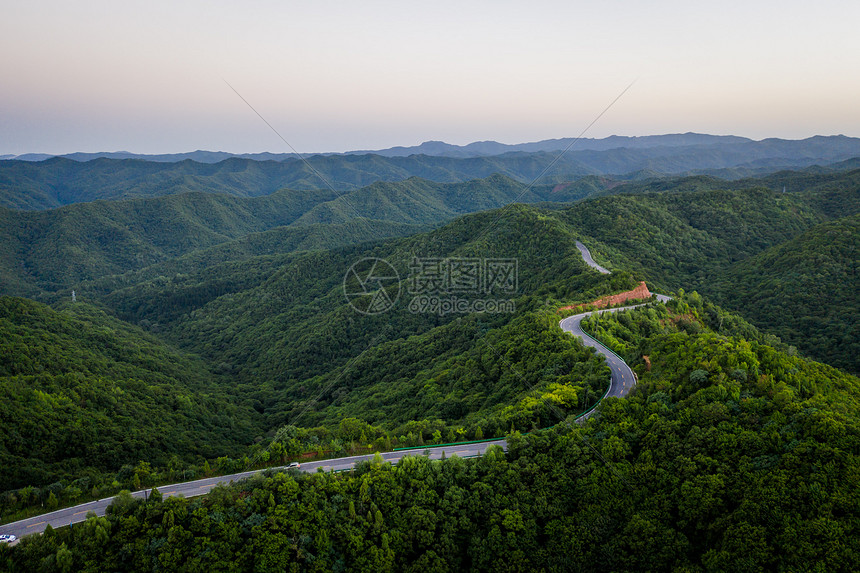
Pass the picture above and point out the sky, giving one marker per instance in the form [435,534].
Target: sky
[152,77]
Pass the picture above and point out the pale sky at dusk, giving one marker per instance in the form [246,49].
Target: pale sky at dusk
[147,77]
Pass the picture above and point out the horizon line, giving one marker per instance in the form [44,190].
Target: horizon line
[14,156]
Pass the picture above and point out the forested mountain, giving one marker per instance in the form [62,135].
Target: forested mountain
[56,248]
[203,246]
[269,353]
[52,248]
[206,323]
[729,455]
[282,325]
[835,186]
[48,250]
[59,181]
[82,392]
[677,239]
[799,288]
[805,291]
[259,307]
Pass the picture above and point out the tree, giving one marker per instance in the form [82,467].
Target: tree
[122,503]
[65,560]
[51,503]
[699,377]
[72,493]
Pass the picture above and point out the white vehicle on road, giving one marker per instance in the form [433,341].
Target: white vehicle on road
[7,538]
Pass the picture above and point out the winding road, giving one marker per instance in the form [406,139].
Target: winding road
[622,381]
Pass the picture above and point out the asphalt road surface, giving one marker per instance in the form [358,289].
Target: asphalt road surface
[622,380]
[586,255]
[78,513]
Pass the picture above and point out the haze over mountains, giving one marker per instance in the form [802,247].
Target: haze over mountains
[437,148]
[86,177]
[823,146]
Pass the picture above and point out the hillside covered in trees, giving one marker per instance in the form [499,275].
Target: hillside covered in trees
[54,249]
[83,393]
[734,454]
[269,318]
[209,329]
[805,291]
[60,181]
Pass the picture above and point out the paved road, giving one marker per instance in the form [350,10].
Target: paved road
[621,383]
[623,379]
[79,513]
[586,254]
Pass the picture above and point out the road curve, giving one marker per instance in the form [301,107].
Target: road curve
[622,378]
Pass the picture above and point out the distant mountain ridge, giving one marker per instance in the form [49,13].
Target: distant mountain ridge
[33,185]
[442,149]
[489,148]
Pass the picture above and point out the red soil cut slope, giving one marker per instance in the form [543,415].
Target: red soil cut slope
[639,292]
